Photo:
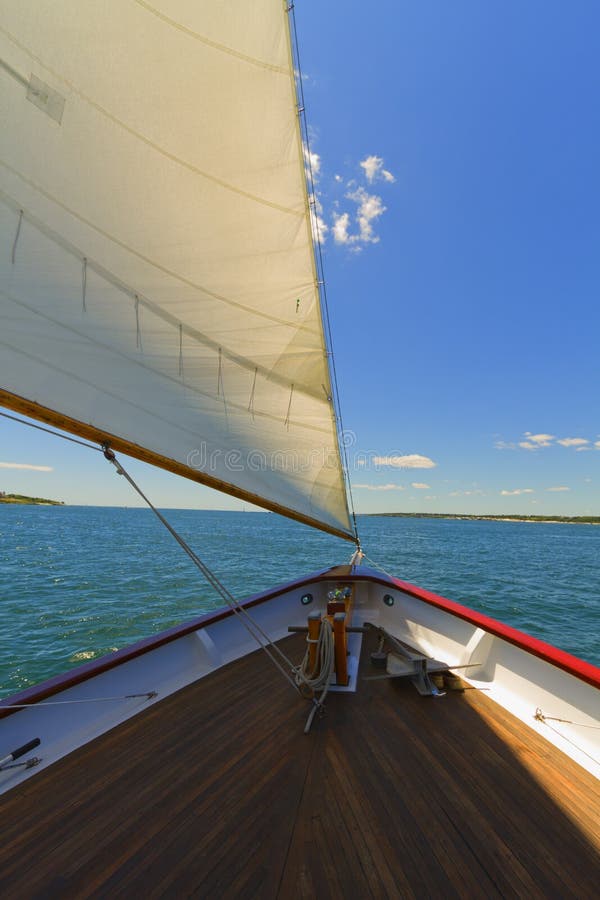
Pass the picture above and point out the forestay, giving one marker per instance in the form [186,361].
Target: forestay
[158,284]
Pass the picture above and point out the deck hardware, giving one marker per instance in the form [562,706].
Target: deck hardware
[350,629]
[7,762]
[379,659]
[404,661]
[305,599]
[388,600]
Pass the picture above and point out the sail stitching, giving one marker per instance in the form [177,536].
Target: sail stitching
[147,141]
[198,287]
[149,304]
[252,60]
[137,362]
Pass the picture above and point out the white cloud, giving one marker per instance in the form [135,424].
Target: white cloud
[374,171]
[527,445]
[573,442]
[412,461]
[581,449]
[312,162]
[317,223]
[369,208]
[11,465]
[338,178]
[340,228]
[516,492]
[542,440]
[505,445]
[478,493]
[420,486]
[559,488]
[379,487]
[597,445]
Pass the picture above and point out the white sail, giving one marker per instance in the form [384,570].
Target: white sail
[157,272]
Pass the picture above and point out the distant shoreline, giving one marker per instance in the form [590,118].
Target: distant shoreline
[29,501]
[549,520]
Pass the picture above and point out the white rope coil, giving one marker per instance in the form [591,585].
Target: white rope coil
[318,678]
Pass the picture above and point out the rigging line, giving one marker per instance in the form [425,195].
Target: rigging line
[57,434]
[253,628]
[149,695]
[181,351]
[377,565]
[569,741]
[542,717]
[321,286]
[16,240]
[84,281]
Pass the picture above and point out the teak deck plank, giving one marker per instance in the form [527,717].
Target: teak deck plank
[216,792]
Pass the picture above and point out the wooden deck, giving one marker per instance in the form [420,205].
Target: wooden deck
[216,792]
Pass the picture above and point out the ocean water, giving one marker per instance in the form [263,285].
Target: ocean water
[78,582]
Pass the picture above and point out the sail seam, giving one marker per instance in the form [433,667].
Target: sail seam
[196,335]
[252,60]
[156,265]
[145,140]
[136,362]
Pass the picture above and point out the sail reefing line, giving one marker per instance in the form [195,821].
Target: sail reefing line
[149,305]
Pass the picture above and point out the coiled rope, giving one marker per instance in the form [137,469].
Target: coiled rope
[319,677]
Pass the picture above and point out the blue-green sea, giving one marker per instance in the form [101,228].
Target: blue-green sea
[78,582]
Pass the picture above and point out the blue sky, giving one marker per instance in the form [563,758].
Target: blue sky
[462,260]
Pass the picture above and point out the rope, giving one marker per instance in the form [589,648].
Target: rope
[318,678]
[251,626]
[539,715]
[149,695]
[377,566]
[50,431]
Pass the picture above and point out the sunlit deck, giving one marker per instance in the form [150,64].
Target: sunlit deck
[216,792]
